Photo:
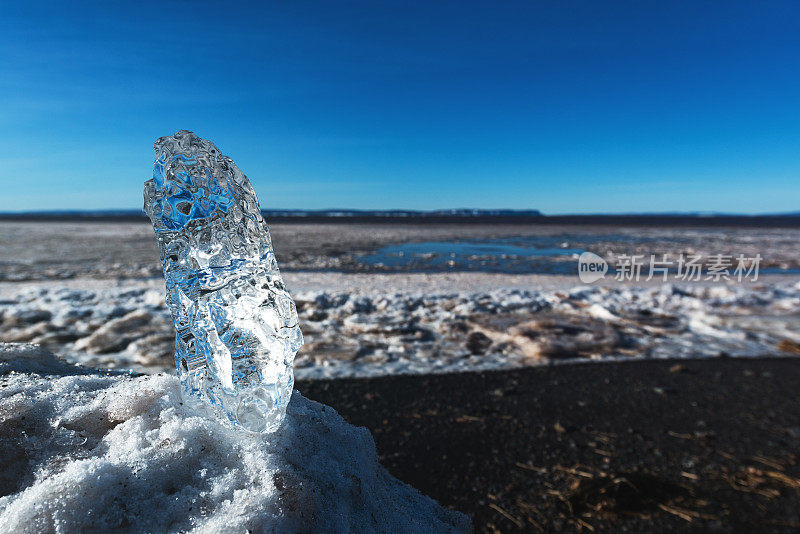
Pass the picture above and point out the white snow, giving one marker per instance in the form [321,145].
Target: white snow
[91,452]
[371,332]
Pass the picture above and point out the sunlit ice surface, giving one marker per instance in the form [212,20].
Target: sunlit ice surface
[236,324]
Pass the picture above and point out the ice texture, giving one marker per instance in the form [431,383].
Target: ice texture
[236,325]
[84,452]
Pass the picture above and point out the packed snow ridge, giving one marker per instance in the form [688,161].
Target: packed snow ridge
[88,451]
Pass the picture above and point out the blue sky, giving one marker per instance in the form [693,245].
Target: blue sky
[567,107]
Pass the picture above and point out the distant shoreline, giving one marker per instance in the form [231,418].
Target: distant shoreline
[526,217]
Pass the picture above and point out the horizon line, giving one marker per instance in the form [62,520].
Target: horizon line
[476,212]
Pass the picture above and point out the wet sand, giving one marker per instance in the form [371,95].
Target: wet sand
[667,446]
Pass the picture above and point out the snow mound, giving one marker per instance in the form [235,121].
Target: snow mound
[87,452]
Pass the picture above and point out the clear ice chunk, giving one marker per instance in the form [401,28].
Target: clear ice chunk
[236,325]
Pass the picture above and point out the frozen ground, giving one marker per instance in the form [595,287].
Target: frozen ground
[375,324]
[61,250]
[93,292]
[87,452]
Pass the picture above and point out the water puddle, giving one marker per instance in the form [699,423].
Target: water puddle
[508,255]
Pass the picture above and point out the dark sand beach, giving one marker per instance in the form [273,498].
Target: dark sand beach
[649,446]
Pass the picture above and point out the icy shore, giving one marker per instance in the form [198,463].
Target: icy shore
[89,451]
[429,323]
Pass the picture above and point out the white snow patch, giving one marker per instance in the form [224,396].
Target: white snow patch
[85,452]
[599,312]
